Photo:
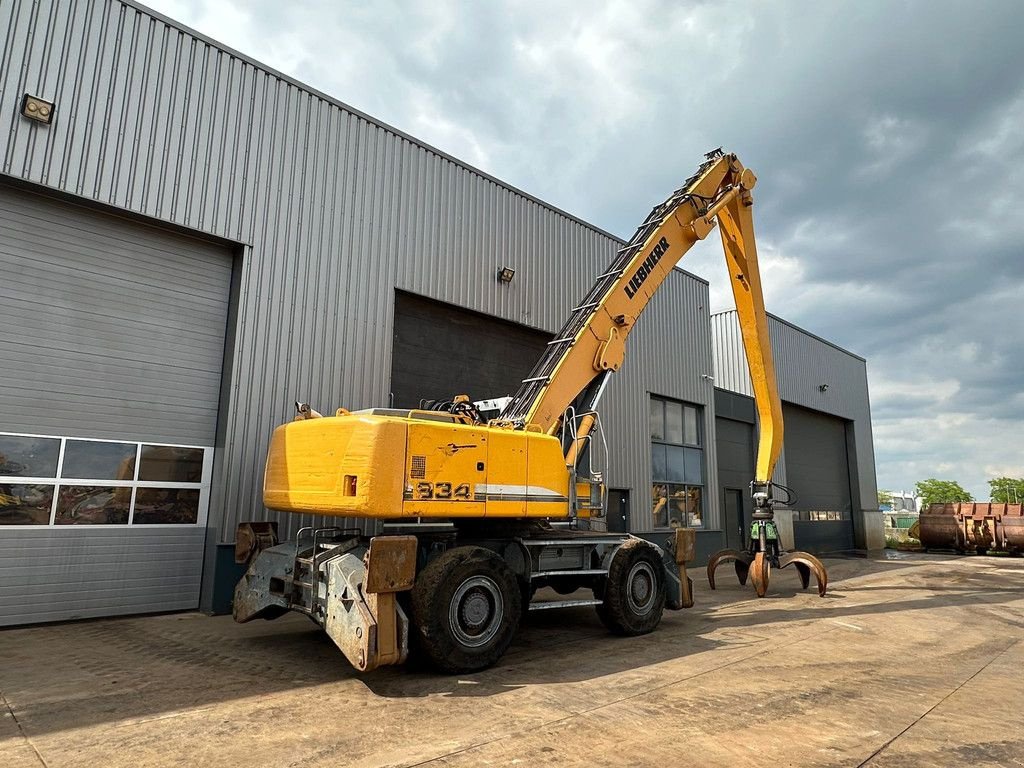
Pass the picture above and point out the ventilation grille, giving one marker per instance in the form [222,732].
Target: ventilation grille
[419,467]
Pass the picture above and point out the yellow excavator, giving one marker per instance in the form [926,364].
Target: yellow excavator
[475,514]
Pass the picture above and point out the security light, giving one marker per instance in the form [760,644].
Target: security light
[36,109]
[505,274]
[823,387]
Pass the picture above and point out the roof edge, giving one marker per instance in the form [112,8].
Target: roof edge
[804,331]
[689,274]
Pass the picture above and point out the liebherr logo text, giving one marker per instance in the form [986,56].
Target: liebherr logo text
[646,268]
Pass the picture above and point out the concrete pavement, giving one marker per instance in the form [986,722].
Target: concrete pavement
[913,661]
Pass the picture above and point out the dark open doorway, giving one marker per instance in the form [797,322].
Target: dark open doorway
[618,510]
[735,520]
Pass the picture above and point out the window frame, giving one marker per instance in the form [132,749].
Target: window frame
[699,445]
[55,482]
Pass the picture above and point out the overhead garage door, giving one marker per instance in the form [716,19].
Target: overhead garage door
[110,369]
[441,351]
[818,469]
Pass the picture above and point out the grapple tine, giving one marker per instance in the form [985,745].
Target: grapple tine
[806,564]
[742,560]
[760,572]
[742,569]
[804,571]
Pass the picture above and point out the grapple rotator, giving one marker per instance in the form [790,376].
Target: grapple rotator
[765,552]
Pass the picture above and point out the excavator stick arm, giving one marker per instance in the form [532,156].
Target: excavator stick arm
[737,230]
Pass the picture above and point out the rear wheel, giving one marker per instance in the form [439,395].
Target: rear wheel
[634,591]
[466,606]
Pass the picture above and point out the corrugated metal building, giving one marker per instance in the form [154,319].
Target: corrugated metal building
[828,456]
[193,241]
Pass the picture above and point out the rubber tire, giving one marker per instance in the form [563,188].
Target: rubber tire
[432,594]
[615,612]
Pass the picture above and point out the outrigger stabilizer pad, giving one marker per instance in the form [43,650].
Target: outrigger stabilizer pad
[758,566]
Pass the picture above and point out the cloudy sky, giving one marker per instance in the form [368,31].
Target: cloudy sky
[888,138]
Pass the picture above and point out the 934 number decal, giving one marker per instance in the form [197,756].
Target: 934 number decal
[442,491]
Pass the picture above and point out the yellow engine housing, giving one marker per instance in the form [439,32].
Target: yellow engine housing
[390,463]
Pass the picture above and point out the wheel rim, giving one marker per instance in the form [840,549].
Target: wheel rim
[476,611]
[641,587]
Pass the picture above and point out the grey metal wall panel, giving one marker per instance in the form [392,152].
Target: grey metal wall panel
[669,355]
[823,536]
[111,329]
[336,211]
[59,574]
[803,362]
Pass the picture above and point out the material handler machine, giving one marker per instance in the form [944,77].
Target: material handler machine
[464,508]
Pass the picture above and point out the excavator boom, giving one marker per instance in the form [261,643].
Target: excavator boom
[592,341]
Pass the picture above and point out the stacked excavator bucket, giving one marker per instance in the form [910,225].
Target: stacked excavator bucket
[972,525]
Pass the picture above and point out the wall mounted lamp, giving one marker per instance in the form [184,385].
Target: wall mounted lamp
[37,109]
[823,387]
[505,274]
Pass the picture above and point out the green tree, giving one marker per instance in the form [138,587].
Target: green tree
[884,497]
[934,491]
[1007,489]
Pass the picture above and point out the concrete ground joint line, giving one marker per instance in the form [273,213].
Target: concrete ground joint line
[572,715]
[935,706]
[556,721]
[21,730]
[591,710]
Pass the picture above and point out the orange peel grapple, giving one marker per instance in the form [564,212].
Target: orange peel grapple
[765,552]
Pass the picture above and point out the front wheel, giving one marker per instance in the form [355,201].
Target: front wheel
[466,606]
[634,590]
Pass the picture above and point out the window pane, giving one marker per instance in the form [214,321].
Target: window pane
[674,464]
[166,505]
[659,504]
[692,433]
[694,507]
[170,464]
[89,505]
[676,505]
[29,456]
[657,419]
[94,460]
[25,504]
[694,472]
[659,469]
[674,423]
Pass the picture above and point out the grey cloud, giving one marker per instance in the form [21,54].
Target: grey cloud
[885,135]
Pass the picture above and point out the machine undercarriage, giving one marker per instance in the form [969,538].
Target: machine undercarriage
[457,592]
